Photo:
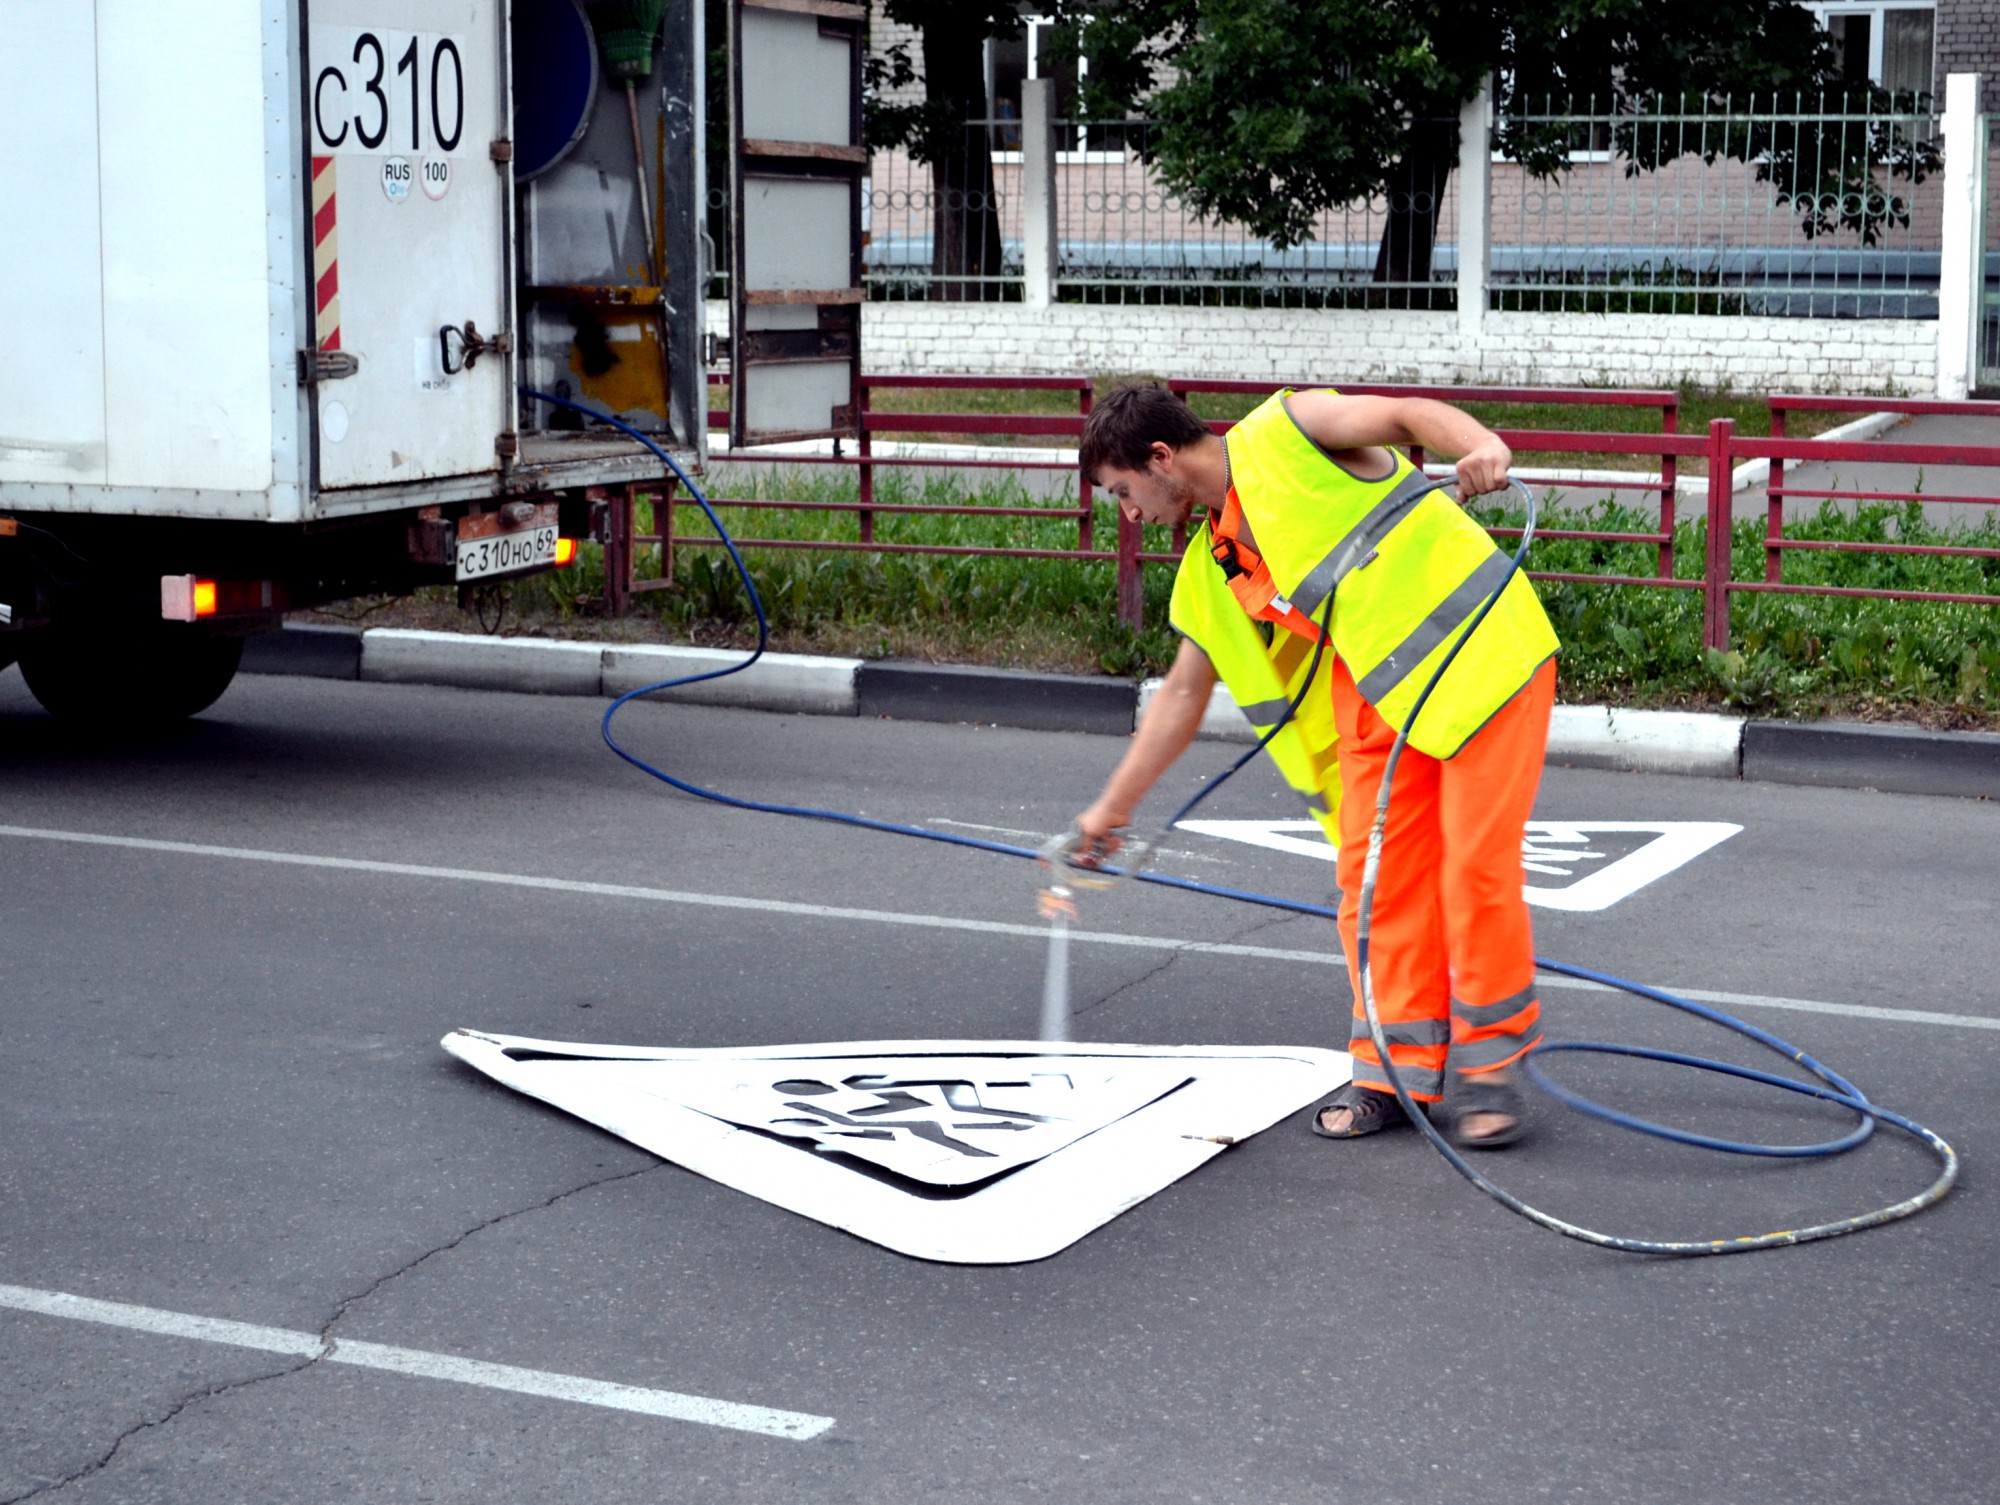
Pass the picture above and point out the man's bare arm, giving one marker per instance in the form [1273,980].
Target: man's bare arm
[1172,718]
[1342,423]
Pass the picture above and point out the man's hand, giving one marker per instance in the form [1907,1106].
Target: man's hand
[1097,830]
[1483,468]
[1346,425]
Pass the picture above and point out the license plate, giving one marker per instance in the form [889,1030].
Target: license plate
[505,553]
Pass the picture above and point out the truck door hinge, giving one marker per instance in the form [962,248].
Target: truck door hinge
[507,445]
[717,353]
[326,365]
[501,151]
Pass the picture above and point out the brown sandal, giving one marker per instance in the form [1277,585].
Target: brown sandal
[1372,1113]
[1485,1094]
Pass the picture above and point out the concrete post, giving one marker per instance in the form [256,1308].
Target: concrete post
[1961,263]
[1475,194]
[1038,191]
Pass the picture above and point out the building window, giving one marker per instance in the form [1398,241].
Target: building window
[1010,61]
[1889,43]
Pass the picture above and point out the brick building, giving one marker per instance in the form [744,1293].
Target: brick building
[1968,41]
[1900,44]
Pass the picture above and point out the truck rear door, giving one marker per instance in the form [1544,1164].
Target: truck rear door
[795,241]
[409,252]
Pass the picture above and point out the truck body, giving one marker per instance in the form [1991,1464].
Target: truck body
[270,285]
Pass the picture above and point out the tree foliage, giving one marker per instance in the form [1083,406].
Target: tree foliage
[1273,111]
[951,43]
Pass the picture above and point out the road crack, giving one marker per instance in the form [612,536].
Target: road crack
[195,1398]
[347,1303]
[326,1338]
[1252,927]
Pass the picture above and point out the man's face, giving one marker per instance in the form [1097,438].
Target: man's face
[1158,494]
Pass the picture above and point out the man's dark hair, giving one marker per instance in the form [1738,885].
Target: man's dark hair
[1123,427]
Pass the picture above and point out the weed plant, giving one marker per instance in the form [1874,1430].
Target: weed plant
[1031,613]
[1637,645]
[1788,654]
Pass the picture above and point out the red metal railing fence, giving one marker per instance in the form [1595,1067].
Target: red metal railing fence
[1721,448]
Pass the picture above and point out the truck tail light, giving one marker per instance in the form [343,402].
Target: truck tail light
[183,598]
[565,551]
[189,598]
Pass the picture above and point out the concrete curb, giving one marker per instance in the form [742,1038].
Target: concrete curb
[317,652]
[776,682]
[400,656]
[1688,742]
[1892,759]
[1002,697]
[1580,736]
[1848,755]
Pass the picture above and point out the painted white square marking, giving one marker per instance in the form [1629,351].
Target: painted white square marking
[1564,849]
[969,1152]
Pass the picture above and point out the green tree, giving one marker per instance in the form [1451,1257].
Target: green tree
[1272,111]
[965,208]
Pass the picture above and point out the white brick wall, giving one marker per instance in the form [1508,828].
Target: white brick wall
[1528,349]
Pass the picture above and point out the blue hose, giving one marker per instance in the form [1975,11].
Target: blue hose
[1837,1089]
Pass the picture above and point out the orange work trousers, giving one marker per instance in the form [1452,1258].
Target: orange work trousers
[1450,949]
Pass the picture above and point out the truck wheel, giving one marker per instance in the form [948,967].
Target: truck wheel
[149,676]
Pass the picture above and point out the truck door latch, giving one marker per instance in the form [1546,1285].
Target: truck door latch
[471,346]
[326,365]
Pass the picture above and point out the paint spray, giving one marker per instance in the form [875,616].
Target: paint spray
[1064,875]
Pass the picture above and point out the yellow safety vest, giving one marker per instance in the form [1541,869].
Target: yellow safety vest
[1407,569]
[1264,678]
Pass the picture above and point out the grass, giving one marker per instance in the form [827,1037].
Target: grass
[1791,655]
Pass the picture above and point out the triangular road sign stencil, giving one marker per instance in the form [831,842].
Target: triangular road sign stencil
[1601,861]
[970,1152]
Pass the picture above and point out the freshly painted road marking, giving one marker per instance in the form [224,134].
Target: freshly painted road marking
[1554,847]
[923,921]
[796,1425]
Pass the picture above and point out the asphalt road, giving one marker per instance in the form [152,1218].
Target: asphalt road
[221,1096]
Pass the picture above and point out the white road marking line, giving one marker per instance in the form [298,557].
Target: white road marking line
[795,1425]
[664,895]
[1802,1005]
[925,921]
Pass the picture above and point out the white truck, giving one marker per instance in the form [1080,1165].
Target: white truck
[275,274]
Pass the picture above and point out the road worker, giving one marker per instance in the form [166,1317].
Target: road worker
[1306,499]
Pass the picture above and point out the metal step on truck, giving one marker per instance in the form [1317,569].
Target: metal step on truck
[276,278]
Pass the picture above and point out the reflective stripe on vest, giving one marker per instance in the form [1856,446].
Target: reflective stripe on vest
[1407,568]
[1264,678]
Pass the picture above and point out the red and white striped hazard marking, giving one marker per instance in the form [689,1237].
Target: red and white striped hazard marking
[326,255]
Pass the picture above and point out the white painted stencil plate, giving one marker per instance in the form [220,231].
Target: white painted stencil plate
[970,1152]
[1565,849]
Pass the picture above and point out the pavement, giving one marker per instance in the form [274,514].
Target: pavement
[1850,755]
[261,1239]
[1753,499]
